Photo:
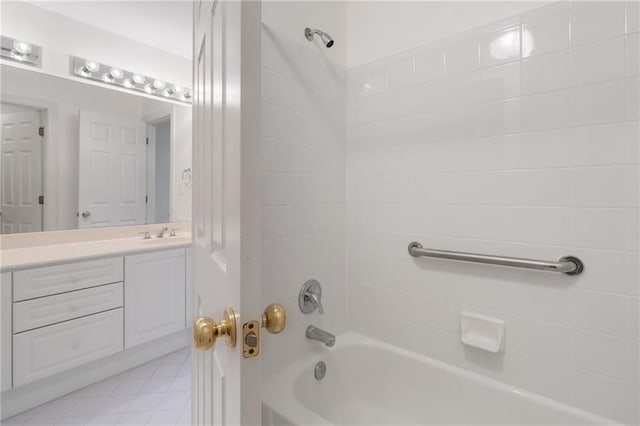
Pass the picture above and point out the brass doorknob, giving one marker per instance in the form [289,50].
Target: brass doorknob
[206,330]
[274,318]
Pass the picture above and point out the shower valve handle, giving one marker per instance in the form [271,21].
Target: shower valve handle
[316,302]
[310,296]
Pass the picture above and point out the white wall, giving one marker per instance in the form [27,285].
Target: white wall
[60,36]
[290,18]
[303,172]
[180,161]
[494,150]
[163,171]
[376,29]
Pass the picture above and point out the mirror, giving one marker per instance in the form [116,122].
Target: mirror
[77,155]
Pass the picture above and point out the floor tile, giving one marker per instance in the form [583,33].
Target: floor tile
[155,393]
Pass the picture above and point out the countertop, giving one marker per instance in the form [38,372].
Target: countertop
[36,256]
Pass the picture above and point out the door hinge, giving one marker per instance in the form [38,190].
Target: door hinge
[146,199]
[41,199]
[147,141]
[41,130]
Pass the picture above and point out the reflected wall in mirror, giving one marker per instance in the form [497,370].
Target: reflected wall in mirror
[76,155]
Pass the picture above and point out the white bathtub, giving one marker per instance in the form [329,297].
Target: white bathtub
[373,383]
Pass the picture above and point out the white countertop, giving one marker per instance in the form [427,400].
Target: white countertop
[31,257]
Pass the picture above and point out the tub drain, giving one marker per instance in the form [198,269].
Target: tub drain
[320,370]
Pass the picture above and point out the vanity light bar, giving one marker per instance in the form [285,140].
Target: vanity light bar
[21,51]
[114,76]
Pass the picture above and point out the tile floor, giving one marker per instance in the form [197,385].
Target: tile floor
[156,393]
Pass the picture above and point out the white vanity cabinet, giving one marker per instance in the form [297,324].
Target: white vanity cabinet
[155,295]
[64,316]
[58,318]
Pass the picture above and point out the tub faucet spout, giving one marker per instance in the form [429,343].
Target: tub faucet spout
[314,333]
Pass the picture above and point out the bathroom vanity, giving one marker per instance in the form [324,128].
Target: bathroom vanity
[73,314]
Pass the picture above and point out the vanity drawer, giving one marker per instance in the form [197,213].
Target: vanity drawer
[48,310]
[49,350]
[39,282]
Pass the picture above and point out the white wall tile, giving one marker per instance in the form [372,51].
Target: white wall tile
[500,46]
[545,111]
[605,144]
[633,15]
[545,33]
[603,395]
[632,99]
[303,182]
[593,187]
[526,157]
[429,64]
[597,62]
[463,54]
[501,82]
[603,354]
[401,72]
[632,55]
[597,103]
[545,73]
[598,20]
[612,314]
[608,229]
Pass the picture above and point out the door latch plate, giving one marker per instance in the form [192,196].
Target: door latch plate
[250,339]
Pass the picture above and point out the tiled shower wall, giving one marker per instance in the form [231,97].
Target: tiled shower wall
[521,139]
[303,188]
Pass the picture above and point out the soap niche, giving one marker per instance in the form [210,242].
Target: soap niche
[482,332]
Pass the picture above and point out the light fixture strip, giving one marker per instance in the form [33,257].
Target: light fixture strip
[20,51]
[128,80]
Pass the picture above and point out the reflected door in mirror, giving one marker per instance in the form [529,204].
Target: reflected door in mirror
[21,172]
[112,181]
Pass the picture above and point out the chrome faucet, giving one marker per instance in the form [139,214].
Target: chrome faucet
[314,333]
[162,231]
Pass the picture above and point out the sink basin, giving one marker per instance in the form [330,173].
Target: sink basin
[168,240]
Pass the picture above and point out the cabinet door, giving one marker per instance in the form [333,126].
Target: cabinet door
[154,295]
[49,350]
[5,331]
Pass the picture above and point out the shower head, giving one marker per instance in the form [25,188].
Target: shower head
[326,38]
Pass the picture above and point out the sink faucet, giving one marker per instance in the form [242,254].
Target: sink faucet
[314,333]
[162,231]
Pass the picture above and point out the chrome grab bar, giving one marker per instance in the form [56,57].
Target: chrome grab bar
[567,265]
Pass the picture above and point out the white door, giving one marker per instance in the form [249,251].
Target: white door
[226,200]
[21,172]
[112,181]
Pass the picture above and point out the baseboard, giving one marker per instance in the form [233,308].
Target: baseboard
[15,401]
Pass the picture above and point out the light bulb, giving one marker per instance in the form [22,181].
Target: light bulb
[112,75]
[90,67]
[187,95]
[169,92]
[148,89]
[138,79]
[22,47]
[178,89]
[116,73]
[159,84]
[128,83]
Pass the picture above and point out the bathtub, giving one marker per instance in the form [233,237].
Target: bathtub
[372,383]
